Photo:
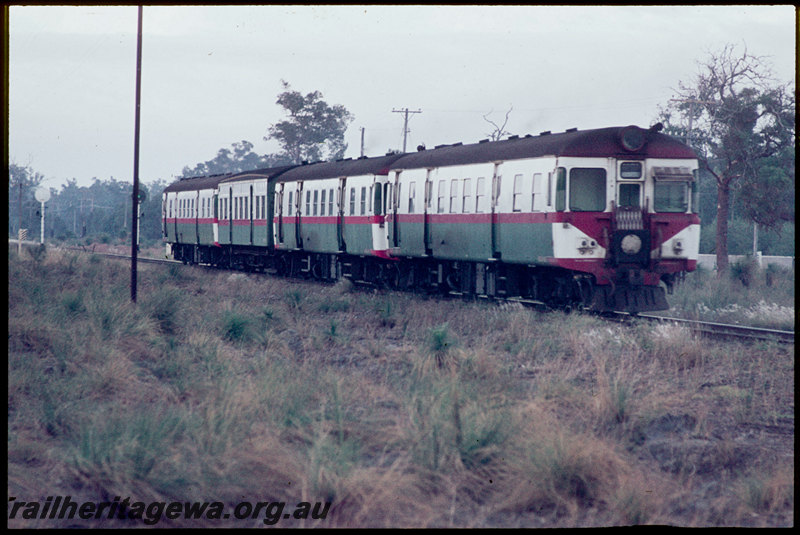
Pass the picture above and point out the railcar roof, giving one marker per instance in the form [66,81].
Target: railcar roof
[603,142]
[197,183]
[379,165]
[268,172]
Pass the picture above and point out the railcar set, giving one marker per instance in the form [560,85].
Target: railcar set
[603,219]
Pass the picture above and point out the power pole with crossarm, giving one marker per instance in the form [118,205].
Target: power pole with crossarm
[405,112]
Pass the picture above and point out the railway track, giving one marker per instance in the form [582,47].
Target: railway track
[704,328]
[717,330]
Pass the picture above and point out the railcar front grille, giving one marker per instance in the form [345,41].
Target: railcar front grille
[629,218]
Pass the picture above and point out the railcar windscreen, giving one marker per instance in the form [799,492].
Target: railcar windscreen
[671,197]
[587,189]
[629,195]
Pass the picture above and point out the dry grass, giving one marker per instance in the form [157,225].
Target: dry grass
[766,301]
[400,411]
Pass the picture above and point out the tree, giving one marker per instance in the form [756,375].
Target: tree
[22,183]
[312,127]
[741,124]
[241,158]
[499,131]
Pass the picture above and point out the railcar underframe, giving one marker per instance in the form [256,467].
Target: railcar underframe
[555,286]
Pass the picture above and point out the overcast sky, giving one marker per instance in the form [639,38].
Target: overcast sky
[211,75]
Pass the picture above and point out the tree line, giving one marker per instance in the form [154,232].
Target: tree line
[739,119]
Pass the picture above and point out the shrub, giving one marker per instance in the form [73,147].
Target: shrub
[163,305]
[236,327]
[744,270]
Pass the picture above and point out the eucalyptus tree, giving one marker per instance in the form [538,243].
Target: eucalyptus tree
[740,120]
[314,130]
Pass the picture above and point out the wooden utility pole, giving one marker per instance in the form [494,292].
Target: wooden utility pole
[135,203]
[405,112]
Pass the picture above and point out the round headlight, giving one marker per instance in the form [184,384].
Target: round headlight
[632,138]
[631,244]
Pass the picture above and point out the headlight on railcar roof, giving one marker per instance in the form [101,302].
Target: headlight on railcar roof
[632,138]
[631,244]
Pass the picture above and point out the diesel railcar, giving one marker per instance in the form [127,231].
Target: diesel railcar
[604,219]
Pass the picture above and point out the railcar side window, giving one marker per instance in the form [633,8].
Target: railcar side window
[377,202]
[466,204]
[363,200]
[480,191]
[412,190]
[537,190]
[428,194]
[587,189]
[440,198]
[498,180]
[330,201]
[322,203]
[352,201]
[453,195]
[398,194]
[289,211]
[670,197]
[517,206]
[561,189]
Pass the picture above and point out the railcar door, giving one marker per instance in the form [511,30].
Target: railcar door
[426,224]
[340,215]
[279,210]
[629,214]
[196,217]
[392,207]
[496,182]
[298,217]
[249,209]
[164,216]
[175,216]
[216,218]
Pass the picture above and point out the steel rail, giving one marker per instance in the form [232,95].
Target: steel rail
[710,328]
